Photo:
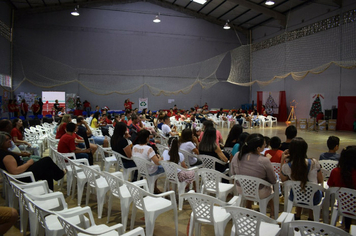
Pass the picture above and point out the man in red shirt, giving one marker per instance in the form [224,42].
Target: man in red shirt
[67,143]
[128,104]
[35,108]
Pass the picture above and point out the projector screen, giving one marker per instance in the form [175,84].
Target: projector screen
[49,98]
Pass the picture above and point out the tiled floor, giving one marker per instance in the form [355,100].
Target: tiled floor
[165,223]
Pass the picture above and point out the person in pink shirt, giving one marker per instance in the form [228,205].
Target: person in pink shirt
[219,138]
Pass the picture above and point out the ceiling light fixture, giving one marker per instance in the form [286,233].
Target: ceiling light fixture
[269,3]
[156,19]
[227,26]
[202,2]
[75,12]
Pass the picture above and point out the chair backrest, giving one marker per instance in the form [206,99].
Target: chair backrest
[119,160]
[186,156]
[211,178]
[228,150]
[247,221]
[306,228]
[203,206]
[115,182]
[347,204]
[328,164]
[276,168]
[171,170]
[142,165]
[137,194]
[304,197]
[161,148]
[208,161]
[91,174]
[250,186]
[164,139]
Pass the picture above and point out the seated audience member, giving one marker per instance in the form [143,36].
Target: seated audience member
[291,132]
[62,112]
[296,166]
[344,175]
[134,127]
[267,147]
[196,133]
[250,162]
[120,143]
[199,116]
[8,218]
[142,150]
[206,107]
[166,127]
[174,156]
[208,146]
[6,126]
[62,126]
[188,142]
[219,139]
[17,134]
[43,169]
[333,145]
[67,143]
[240,142]
[274,155]
[36,108]
[233,136]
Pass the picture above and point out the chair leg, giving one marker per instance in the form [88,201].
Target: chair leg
[125,208]
[109,209]
[263,207]
[191,225]
[150,224]
[176,219]
[316,214]
[133,216]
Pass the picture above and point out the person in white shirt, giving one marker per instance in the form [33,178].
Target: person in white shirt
[174,156]
[146,152]
[188,142]
[166,127]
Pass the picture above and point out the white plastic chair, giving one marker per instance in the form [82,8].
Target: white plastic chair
[304,198]
[62,164]
[142,166]
[42,217]
[118,189]
[171,170]
[326,167]
[152,205]
[107,159]
[120,165]
[211,183]
[188,155]
[249,222]
[346,204]
[40,187]
[271,120]
[210,161]
[161,147]
[99,183]
[163,139]
[250,190]
[312,228]
[208,210]
[90,229]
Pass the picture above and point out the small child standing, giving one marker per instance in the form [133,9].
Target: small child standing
[275,155]
[333,145]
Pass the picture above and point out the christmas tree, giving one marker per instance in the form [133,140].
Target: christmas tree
[316,107]
[270,105]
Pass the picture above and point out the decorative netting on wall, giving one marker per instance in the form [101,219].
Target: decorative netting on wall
[47,73]
[312,49]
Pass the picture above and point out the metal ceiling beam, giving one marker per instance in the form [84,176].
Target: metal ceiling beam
[260,9]
[11,4]
[192,13]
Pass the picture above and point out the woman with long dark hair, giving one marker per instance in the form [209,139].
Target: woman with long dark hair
[344,175]
[208,146]
[121,144]
[174,156]
[296,166]
[188,142]
[240,142]
[248,161]
[233,136]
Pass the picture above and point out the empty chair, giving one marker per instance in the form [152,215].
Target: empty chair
[304,198]
[249,222]
[107,158]
[250,187]
[89,229]
[311,228]
[143,171]
[152,205]
[211,183]
[208,210]
[97,182]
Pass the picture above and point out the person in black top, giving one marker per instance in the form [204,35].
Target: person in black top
[291,132]
[233,136]
[120,144]
[44,169]
[85,132]
[41,105]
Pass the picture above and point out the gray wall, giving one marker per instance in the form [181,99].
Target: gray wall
[307,53]
[123,39]
[5,16]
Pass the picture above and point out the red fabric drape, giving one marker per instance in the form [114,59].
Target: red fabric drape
[259,101]
[346,112]
[282,111]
